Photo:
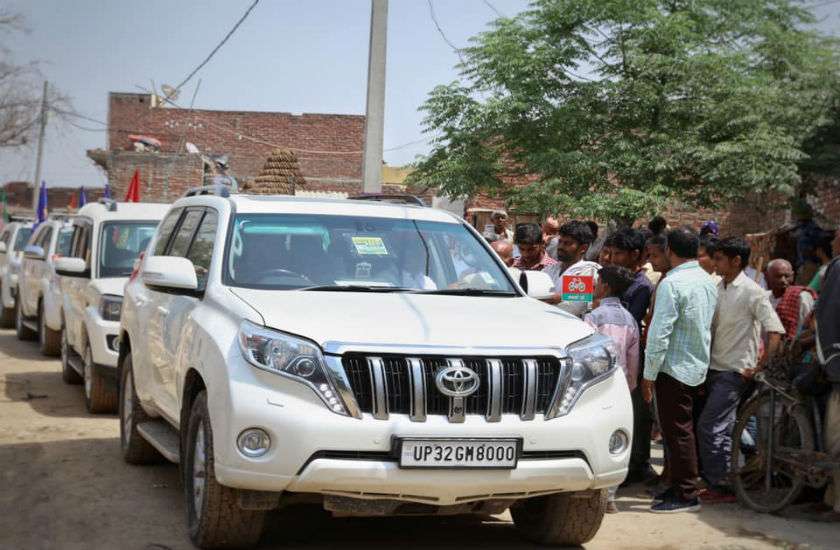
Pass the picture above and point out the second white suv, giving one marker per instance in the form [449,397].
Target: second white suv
[108,238]
[283,348]
[38,312]
[13,239]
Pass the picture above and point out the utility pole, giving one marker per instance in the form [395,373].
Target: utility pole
[375,113]
[37,181]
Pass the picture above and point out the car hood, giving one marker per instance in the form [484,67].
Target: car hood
[111,285]
[415,319]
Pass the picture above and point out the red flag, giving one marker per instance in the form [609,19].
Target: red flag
[72,205]
[133,194]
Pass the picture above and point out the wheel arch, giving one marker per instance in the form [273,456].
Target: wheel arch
[193,385]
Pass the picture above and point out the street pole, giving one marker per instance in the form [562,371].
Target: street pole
[375,113]
[37,181]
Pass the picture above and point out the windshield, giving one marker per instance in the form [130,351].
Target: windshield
[288,251]
[21,238]
[65,239]
[120,244]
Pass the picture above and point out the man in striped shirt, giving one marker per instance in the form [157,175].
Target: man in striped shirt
[677,359]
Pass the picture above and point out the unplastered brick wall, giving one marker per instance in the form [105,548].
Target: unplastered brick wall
[164,177]
[19,195]
[826,202]
[328,146]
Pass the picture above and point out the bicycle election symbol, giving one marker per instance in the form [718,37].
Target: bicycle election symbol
[577,288]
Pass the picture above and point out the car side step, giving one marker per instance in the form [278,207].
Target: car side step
[75,361]
[162,437]
[31,324]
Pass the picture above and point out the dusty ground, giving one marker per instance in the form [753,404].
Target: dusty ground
[63,485]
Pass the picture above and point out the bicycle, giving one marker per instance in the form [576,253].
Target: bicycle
[777,445]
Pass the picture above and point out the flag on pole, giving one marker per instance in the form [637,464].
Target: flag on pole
[72,205]
[41,213]
[106,194]
[82,196]
[133,194]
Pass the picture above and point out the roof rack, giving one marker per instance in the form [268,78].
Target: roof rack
[398,198]
[218,190]
[110,204]
[21,218]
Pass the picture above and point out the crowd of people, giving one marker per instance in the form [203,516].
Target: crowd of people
[692,322]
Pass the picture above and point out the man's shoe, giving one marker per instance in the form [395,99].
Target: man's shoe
[665,494]
[675,505]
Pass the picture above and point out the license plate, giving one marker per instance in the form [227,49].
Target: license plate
[459,453]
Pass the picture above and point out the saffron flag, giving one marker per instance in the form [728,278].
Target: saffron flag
[133,194]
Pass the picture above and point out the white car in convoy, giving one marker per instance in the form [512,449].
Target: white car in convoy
[285,348]
[13,239]
[38,313]
[108,237]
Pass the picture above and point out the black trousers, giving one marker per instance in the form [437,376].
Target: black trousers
[675,404]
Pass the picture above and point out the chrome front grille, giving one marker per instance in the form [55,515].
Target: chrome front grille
[395,384]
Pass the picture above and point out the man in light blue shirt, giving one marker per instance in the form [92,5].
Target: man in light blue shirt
[677,359]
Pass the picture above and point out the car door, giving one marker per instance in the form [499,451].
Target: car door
[33,269]
[162,317]
[75,288]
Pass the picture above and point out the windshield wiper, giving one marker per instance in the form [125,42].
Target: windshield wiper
[467,292]
[355,288]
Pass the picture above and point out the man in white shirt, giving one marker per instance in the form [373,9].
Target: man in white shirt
[742,310]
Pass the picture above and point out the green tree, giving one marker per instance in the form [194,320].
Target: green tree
[614,107]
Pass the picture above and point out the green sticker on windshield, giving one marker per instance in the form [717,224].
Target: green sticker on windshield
[370,246]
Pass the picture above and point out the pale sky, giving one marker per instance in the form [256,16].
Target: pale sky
[290,55]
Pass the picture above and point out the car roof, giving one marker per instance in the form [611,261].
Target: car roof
[98,211]
[285,204]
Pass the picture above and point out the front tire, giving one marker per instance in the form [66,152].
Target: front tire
[135,449]
[99,397]
[564,519]
[68,373]
[23,332]
[214,518]
[49,339]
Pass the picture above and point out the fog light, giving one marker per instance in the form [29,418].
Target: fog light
[253,442]
[618,442]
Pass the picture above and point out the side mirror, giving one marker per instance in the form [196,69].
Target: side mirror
[536,284]
[169,273]
[71,267]
[34,252]
[2,247]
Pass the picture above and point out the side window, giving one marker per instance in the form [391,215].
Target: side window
[44,239]
[5,237]
[81,242]
[201,249]
[165,231]
[183,237]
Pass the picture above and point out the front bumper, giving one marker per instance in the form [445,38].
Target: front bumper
[317,451]
[102,336]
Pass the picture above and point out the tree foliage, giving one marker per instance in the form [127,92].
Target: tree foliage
[616,106]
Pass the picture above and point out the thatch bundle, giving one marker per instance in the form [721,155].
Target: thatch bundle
[280,175]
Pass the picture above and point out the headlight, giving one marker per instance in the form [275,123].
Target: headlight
[294,357]
[110,307]
[590,361]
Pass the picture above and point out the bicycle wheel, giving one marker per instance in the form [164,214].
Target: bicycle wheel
[762,483]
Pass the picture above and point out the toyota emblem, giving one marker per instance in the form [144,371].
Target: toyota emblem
[457,381]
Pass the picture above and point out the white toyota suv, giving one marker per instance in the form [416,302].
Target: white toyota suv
[38,312]
[107,240]
[13,239]
[285,348]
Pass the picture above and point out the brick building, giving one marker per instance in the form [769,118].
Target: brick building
[19,196]
[328,146]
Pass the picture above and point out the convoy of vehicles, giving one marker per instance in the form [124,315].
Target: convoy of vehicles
[12,242]
[38,311]
[106,241]
[285,349]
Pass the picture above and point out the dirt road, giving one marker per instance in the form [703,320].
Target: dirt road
[64,485]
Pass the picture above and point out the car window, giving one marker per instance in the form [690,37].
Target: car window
[286,251]
[43,239]
[65,240]
[81,241]
[201,249]
[183,237]
[5,236]
[165,231]
[21,238]
[120,244]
